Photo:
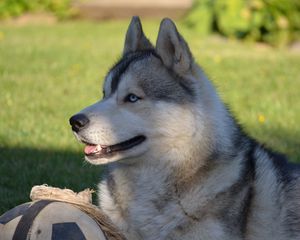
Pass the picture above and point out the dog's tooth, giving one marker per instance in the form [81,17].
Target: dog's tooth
[98,148]
[108,150]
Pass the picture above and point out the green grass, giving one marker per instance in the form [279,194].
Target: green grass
[47,73]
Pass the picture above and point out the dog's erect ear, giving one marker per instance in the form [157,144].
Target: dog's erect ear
[135,38]
[172,48]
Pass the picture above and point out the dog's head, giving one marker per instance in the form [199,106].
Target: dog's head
[147,99]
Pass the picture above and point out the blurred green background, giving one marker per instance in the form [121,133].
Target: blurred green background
[49,71]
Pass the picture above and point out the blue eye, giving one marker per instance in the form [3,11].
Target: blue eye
[131,98]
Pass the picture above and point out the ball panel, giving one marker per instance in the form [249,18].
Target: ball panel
[60,212]
[67,230]
[90,228]
[13,213]
[7,231]
[25,223]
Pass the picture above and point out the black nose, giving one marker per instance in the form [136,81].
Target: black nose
[78,122]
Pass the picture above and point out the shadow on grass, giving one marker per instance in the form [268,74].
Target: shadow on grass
[22,168]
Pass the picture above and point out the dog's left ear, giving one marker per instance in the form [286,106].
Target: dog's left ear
[172,48]
[135,38]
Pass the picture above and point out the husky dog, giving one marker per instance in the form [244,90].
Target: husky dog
[178,164]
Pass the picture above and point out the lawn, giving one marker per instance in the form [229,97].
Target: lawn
[49,72]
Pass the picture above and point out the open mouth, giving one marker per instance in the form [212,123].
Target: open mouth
[98,151]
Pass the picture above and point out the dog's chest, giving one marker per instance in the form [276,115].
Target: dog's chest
[141,203]
[146,208]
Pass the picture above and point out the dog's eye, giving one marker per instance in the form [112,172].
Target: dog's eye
[131,98]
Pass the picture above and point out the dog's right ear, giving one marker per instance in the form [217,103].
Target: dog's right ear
[135,38]
[172,48]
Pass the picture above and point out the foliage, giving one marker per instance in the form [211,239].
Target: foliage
[273,21]
[13,8]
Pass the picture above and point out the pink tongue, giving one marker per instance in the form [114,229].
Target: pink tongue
[89,149]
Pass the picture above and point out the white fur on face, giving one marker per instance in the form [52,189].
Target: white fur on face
[170,128]
[113,121]
[111,124]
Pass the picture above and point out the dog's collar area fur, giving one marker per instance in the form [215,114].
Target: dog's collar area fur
[188,215]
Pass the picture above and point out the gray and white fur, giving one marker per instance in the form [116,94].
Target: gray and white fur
[178,166]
